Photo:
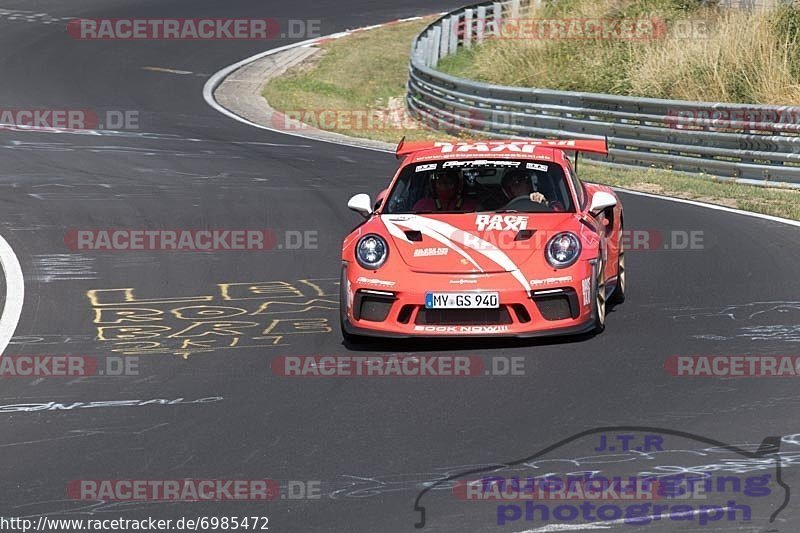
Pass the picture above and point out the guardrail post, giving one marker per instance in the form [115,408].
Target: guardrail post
[445,44]
[481,24]
[437,39]
[453,34]
[417,51]
[514,9]
[527,7]
[423,45]
[431,48]
[467,28]
[497,19]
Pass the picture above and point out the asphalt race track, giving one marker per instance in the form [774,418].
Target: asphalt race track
[367,446]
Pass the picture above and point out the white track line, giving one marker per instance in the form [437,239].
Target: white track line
[712,206]
[214,81]
[217,78]
[15,294]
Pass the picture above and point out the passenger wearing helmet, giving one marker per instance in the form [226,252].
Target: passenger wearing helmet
[447,187]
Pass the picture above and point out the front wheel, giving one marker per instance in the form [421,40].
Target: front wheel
[619,291]
[600,300]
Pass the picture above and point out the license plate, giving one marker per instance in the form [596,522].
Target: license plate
[462,300]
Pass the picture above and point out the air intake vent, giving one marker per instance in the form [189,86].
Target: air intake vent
[557,305]
[372,305]
[524,234]
[405,314]
[463,316]
[414,235]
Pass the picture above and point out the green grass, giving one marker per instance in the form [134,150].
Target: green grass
[771,201]
[706,54]
[367,72]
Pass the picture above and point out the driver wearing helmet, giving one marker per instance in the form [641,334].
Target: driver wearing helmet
[518,182]
[447,187]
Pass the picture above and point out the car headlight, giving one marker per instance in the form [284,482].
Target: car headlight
[372,251]
[563,249]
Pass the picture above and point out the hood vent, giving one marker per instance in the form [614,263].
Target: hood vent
[524,234]
[413,235]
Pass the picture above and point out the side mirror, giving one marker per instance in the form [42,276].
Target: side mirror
[602,201]
[360,203]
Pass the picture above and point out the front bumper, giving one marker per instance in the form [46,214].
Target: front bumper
[376,307]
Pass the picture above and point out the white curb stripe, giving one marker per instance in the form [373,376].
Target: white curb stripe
[15,294]
[217,78]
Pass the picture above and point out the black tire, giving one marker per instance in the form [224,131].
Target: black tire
[599,304]
[618,296]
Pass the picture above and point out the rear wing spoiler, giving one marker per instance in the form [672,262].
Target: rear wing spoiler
[597,146]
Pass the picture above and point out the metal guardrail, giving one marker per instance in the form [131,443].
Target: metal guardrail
[752,142]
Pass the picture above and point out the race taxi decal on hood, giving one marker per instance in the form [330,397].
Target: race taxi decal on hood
[501,222]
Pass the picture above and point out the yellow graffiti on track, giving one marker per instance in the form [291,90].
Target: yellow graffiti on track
[234,316]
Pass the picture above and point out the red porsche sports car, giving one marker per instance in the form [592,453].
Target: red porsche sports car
[484,238]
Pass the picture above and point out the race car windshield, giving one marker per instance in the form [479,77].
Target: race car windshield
[465,186]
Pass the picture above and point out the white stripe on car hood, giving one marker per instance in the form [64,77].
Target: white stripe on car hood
[414,225]
[449,235]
